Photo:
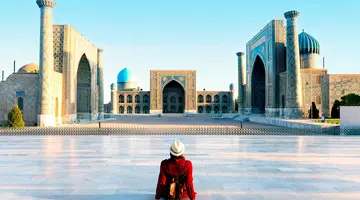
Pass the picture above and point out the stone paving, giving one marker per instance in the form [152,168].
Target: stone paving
[225,167]
[169,120]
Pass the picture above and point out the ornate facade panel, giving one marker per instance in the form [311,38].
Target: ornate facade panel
[159,79]
[20,85]
[312,89]
[265,45]
[79,46]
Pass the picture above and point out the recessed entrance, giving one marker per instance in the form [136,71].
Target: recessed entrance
[83,94]
[258,86]
[173,98]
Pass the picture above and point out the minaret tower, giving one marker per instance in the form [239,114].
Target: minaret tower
[294,87]
[232,100]
[241,82]
[101,84]
[46,115]
[114,102]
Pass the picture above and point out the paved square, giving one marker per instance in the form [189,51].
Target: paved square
[225,167]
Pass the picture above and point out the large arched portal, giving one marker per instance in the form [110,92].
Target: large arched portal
[83,94]
[173,98]
[258,86]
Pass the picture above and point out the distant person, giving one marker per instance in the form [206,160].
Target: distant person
[175,178]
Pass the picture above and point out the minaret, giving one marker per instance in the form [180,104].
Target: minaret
[46,115]
[241,82]
[114,103]
[101,84]
[232,100]
[294,90]
[2,76]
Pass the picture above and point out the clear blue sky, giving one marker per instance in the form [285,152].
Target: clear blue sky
[203,35]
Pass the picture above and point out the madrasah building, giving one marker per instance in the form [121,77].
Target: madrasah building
[279,75]
[66,86]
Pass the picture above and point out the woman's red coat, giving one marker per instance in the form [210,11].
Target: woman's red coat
[171,167]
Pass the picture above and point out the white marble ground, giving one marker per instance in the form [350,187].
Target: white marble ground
[225,167]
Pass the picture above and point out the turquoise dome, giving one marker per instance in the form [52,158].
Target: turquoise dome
[112,85]
[308,44]
[125,76]
[231,86]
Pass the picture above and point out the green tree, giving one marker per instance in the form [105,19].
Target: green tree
[15,118]
[335,110]
[313,112]
[350,100]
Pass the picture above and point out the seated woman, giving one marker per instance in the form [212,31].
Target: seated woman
[175,177]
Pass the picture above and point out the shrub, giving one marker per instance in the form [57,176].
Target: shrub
[15,118]
[313,112]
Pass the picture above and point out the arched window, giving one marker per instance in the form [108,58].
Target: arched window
[216,109]
[200,99]
[121,98]
[216,99]
[317,79]
[224,109]
[145,98]
[224,98]
[129,110]
[200,109]
[208,99]
[137,109]
[137,99]
[129,99]
[21,103]
[318,99]
[121,110]
[208,109]
[146,110]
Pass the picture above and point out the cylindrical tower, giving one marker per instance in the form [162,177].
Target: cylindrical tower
[294,88]
[241,82]
[114,103]
[101,84]
[46,115]
[232,100]
[2,75]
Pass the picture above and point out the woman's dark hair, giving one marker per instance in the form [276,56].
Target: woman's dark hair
[177,157]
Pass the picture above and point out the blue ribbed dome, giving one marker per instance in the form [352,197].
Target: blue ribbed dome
[125,76]
[308,44]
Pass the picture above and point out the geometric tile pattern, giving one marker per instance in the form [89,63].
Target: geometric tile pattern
[27,83]
[46,60]
[268,45]
[294,91]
